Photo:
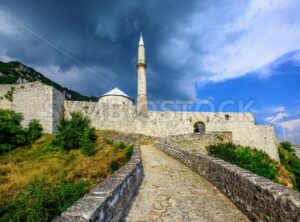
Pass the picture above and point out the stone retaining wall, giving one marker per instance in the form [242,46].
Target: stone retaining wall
[109,200]
[197,142]
[258,198]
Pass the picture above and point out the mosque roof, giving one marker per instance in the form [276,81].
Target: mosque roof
[116,92]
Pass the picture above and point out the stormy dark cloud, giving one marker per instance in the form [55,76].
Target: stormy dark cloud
[188,43]
[103,35]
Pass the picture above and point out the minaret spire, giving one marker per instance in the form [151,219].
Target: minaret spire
[141,39]
[142,101]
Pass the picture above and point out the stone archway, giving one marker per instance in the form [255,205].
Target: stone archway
[199,127]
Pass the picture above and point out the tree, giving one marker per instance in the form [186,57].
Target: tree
[75,133]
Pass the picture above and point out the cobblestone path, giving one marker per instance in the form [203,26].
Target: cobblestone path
[172,192]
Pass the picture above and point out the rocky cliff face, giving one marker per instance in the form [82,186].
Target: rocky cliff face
[16,73]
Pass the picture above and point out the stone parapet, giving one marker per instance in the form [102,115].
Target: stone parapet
[197,142]
[258,198]
[109,200]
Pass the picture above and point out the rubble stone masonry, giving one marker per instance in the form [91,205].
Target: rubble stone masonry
[46,104]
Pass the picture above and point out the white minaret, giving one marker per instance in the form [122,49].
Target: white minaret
[142,101]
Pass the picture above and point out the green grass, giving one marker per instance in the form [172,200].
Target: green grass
[42,201]
[39,181]
[291,162]
[255,161]
[287,172]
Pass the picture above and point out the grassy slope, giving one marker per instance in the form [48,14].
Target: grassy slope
[41,160]
[255,161]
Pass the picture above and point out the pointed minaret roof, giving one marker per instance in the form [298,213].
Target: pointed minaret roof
[141,40]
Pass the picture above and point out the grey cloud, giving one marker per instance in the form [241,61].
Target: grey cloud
[103,35]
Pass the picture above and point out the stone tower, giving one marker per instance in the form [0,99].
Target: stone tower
[142,101]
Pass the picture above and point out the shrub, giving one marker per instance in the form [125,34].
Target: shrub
[257,162]
[287,146]
[76,132]
[120,145]
[69,192]
[224,151]
[9,94]
[253,160]
[34,131]
[42,201]
[114,165]
[86,142]
[291,162]
[129,152]
[12,133]
[108,141]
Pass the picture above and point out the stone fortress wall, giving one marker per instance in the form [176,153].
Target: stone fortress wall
[108,116]
[5,103]
[35,101]
[242,125]
[46,104]
[123,118]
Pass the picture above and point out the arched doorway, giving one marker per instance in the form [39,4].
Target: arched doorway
[199,127]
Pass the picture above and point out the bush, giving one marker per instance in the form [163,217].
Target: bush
[224,151]
[11,130]
[86,142]
[108,141]
[114,165]
[12,133]
[287,146]
[253,160]
[120,145]
[69,192]
[129,152]
[291,162]
[9,94]
[76,132]
[43,202]
[34,131]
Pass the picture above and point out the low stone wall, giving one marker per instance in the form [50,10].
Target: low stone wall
[197,142]
[109,200]
[258,198]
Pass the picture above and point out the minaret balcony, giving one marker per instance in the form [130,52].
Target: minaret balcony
[141,62]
